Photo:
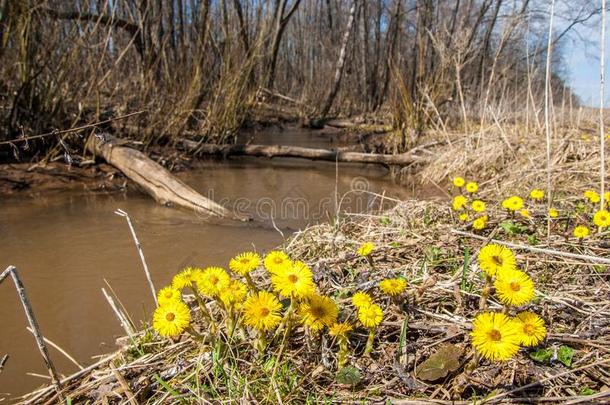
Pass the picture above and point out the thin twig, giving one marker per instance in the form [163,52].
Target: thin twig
[495,398]
[547,106]
[602,135]
[3,361]
[59,349]
[119,314]
[122,213]
[65,131]
[595,259]
[131,398]
[29,313]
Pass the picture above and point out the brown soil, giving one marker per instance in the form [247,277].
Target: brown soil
[55,176]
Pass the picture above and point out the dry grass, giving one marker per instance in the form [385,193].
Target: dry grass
[416,240]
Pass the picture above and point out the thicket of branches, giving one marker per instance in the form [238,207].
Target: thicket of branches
[202,65]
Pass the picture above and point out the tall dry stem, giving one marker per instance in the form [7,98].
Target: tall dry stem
[602,135]
[547,106]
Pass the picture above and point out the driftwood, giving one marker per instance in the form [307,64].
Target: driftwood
[271,151]
[153,178]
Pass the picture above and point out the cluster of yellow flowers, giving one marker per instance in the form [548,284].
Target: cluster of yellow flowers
[474,210]
[496,335]
[292,298]
[601,218]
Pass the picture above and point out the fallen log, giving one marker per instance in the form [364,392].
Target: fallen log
[331,155]
[154,178]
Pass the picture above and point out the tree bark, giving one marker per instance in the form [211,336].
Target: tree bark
[340,63]
[272,151]
[155,179]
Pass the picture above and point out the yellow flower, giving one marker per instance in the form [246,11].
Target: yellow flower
[537,194]
[212,281]
[581,232]
[244,263]
[276,260]
[361,298]
[480,223]
[513,203]
[393,286]
[592,196]
[464,217]
[553,213]
[607,197]
[494,259]
[602,218]
[172,318]
[168,294]
[495,336]
[531,328]
[472,187]
[525,213]
[514,287]
[318,311]
[234,294]
[294,281]
[370,316]
[459,181]
[366,249]
[186,278]
[340,330]
[478,206]
[458,202]
[262,311]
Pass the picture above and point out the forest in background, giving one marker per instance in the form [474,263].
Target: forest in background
[205,67]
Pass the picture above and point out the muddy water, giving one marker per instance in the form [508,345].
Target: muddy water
[66,246]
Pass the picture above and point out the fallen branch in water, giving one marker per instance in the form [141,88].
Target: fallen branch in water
[29,313]
[272,151]
[154,178]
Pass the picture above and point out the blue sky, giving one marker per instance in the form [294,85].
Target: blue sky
[581,57]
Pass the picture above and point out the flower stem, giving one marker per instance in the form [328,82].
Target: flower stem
[369,342]
[343,353]
[485,293]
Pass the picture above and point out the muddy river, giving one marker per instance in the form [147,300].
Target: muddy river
[67,246]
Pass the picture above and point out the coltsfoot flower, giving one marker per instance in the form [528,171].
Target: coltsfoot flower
[602,218]
[459,181]
[366,249]
[361,298]
[294,281]
[244,263]
[262,311]
[276,260]
[495,336]
[168,294]
[581,232]
[514,287]
[171,319]
[531,328]
[212,281]
[318,311]
[494,259]
[393,286]
[537,194]
[370,316]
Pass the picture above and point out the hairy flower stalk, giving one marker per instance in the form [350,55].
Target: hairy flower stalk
[369,342]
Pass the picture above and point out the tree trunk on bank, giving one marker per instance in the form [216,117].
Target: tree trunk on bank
[340,63]
[271,151]
[155,179]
